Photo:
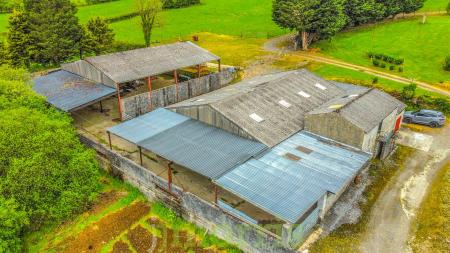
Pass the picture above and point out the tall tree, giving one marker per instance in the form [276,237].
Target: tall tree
[98,37]
[55,31]
[18,38]
[148,11]
[313,19]
[363,11]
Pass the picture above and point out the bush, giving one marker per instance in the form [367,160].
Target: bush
[383,65]
[400,69]
[370,55]
[447,63]
[399,61]
[448,8]
[43,165]
[12,225]
[392,67]
[378,56]
[174,4]
[376,63]
[375,80]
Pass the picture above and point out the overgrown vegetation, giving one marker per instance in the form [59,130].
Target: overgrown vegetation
[346,238]
[431,226]
[46,174]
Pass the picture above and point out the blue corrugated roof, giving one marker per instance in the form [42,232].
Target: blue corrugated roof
[147,125]
[205,149]
[287,188]
[68,92]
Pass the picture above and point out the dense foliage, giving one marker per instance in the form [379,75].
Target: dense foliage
[9,5]
[46,174]
[173,4]
[320,19]
[97,36]
[447,63]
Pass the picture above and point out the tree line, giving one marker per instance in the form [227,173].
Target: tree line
[321,19]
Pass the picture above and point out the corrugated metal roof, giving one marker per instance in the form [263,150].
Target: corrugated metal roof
[147,125]
[286,188]
[207,150]
[262,97]
[69,92]
[144,62]
[365,109]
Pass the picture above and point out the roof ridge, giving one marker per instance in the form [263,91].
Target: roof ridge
[338,110]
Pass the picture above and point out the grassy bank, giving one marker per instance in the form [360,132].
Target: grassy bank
[347,237]
[121,217]
[431,226]
[423,46]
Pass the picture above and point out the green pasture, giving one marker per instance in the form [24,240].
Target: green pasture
[434,5]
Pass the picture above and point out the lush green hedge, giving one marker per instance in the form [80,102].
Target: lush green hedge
[45,172]
[173,4]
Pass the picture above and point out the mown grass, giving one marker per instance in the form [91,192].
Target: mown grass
[423,46]
[434,5]
[346,239]
[335,73]
[431,227]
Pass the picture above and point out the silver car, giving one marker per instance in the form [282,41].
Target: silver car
[425,117]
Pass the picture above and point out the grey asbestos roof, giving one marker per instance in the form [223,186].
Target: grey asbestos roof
[204,149]
[262,96]
[144,62]
[365,109]
[287,188]
[69,92]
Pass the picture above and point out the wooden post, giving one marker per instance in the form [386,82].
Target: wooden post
[215,194]
[101,107]
[140,155]
[198,71]
[169,175]
[175,77]
[109,138]
[220,66]
[118,99]
[149,83]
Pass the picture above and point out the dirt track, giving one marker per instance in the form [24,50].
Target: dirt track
[388,229]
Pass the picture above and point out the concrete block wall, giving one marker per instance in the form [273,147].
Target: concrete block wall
[248,237]
[146,102]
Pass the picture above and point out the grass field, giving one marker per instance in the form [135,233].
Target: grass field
[352,76]
[434,5]
[423,46]
[432,223]
[250,18]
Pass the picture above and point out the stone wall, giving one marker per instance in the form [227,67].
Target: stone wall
[248,237]
[146,102]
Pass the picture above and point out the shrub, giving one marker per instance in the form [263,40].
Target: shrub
[399,61]
[392,67]
[12,225]
[174,4]
[378,56]
[448,8]
[370,55]
[375,80]
[376,63]
[400,69]
[383,65]
[447,63]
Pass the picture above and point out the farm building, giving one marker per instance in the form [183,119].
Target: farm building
[370,119]
[85,82]
[255,142]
